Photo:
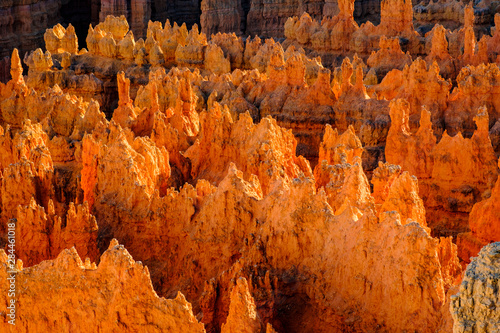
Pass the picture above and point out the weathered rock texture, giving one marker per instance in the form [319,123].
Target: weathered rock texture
[455,173]
[5,69]
[475,307]
[484,222]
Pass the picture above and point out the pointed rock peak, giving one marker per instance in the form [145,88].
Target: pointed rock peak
[382,180]
[295,70]
[324,77]
[180,298]
[16,68]
[70,30]
[234,172]
[359,80]
[69,259]
[356,186]
[450,265]
[33,205]
[235,181]
[334,146]
[167,26]
[439,41]
[277,58]
[399,113]
[331,135]
[117,258]
[306,18]
[406,183]
[347,70]
[390,217]
[482,120]
[270,329]
[425,118]
[123,89]
[56,90]
[403,197]
[243,316]
[348,211]
[113,244]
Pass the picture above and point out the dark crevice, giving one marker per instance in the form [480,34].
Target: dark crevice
[79,14]
[245,8]
[183,11]
[153,11]
[129,11]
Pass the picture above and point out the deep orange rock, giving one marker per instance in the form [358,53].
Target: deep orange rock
[411,152]
[237,141]
[118,284]
[484,220]
[43,236]
[243,315]
[420,86]
[388,57]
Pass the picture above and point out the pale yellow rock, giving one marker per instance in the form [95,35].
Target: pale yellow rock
[215,60]
[66,60]
[156,57]
[475,307]
[126,47]
[117,26]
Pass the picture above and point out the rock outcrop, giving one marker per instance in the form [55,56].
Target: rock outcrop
[268,18]
[222,16]
[118,285]
[483,223]
[243,316]
[474,308]
[455,173]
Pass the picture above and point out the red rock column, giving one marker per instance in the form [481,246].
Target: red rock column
[140,14]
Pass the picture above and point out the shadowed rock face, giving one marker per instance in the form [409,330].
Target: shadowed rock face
[267,18]
[23,24]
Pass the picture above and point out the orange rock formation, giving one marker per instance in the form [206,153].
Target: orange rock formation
[277,191]
[118,285]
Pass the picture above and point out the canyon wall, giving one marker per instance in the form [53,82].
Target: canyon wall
[263,18]
[22,25]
